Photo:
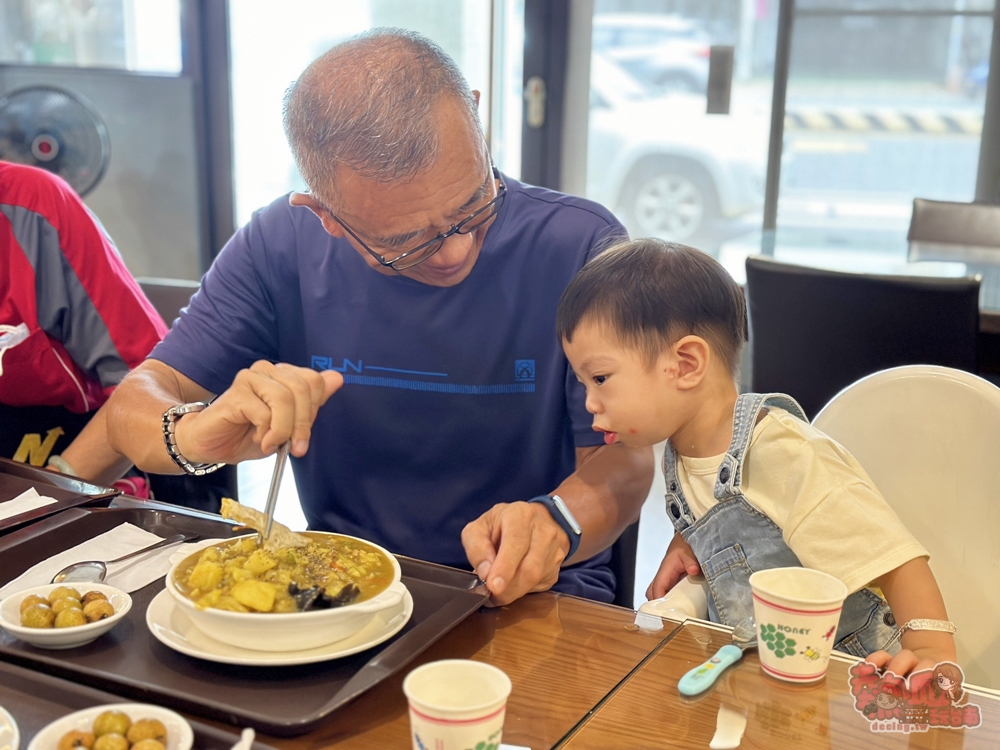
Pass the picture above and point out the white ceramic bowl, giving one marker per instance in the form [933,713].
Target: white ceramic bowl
[294,631]
[179,733]
[10,737]
[59,638]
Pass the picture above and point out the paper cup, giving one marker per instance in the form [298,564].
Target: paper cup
[456,704]
[796,612]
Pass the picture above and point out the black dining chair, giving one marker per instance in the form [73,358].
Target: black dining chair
[943,230]
[168,296]
[814,332]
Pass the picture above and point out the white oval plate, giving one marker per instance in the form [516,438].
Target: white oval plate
[179,733]
[10,738]
[173,628]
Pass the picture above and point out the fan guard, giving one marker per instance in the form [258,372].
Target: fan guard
[51,128]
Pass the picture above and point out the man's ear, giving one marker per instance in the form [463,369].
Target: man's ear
[692,356]
[331,225]
[476,95]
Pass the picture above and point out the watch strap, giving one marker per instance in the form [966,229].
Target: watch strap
[564,517]
[170,418]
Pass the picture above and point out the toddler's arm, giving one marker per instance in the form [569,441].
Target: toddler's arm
[677,563]
[913,593]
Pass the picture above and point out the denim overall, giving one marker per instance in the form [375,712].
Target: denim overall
[734,539]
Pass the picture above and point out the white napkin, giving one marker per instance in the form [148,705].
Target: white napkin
[27,500]
[130,575]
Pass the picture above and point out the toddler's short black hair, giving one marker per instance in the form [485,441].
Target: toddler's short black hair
[651,293]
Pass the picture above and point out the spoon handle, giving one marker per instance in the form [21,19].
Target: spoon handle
[272,493]
[176,538]
[702,677]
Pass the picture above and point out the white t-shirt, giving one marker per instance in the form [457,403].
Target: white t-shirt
[831,514]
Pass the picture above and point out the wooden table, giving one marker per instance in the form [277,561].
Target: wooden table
[648,712]
[563,656]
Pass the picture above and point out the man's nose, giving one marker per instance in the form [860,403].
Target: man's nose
[454,251]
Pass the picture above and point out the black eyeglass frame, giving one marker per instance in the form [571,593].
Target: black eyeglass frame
[465,226]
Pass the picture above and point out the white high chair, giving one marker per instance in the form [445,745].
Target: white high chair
[929,437]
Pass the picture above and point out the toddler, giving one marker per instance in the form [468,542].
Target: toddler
[654,330]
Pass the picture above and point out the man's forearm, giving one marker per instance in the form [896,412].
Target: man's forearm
[91,457]
[606,493]
[134,413]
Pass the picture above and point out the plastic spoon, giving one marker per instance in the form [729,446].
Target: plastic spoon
[702,677]
[95,571]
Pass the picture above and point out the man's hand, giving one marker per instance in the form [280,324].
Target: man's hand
[677,563]
[266,406]
[516,548]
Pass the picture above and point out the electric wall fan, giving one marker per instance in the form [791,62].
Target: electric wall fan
[51,128]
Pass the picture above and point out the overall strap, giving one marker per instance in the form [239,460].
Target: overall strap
[748,407]
[678,511]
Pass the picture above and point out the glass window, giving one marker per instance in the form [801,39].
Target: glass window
[655,158]
[294,34]
[881,109]
[136,35]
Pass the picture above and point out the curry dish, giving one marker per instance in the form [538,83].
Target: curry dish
[330,571]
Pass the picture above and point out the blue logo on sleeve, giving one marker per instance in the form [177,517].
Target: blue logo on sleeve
[524,370]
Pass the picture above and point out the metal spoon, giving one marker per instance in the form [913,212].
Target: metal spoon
[272,493]
[95,571]
[702,677]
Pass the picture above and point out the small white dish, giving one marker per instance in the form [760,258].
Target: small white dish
[61,638]
[10,737]
[171,626]
[179,733]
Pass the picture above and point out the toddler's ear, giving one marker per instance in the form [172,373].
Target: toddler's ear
[692,356]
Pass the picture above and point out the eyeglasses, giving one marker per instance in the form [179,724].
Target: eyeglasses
[420,253]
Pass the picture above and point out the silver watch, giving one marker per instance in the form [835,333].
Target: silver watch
[170,419]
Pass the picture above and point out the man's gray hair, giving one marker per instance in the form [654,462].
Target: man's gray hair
[368,104]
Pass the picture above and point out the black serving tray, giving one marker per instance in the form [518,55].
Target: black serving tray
[35,700]
[130,662]
[67,491]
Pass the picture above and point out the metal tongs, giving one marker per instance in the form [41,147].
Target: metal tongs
[281,457]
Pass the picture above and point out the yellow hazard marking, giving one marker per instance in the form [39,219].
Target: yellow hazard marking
[930,123]
[816,120]
[893,121]
[969,123]
[854,120]
[880,121]
[33,450]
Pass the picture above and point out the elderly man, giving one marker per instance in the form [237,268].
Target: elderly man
[422,284]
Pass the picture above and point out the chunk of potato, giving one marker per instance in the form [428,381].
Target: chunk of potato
[239,574]
[260,562]
[211,599]
[230,605]
[212,554]
[206,576]
[254,594]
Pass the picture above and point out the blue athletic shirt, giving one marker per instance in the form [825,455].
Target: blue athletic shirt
[454,399]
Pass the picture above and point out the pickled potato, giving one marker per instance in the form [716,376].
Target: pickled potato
[64,608]
[115,730]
